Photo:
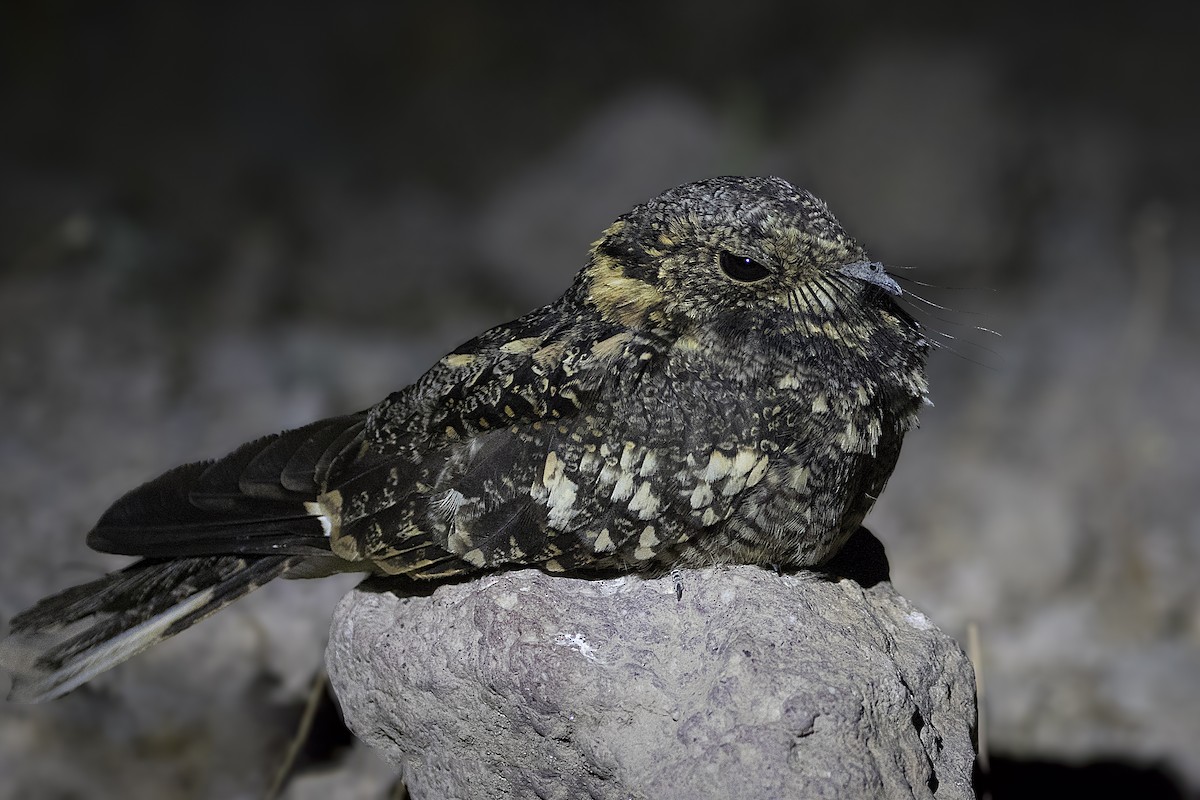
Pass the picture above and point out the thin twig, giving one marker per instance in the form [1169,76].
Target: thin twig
[301,736]
[975,653]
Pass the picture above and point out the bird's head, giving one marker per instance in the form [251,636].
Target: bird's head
[738,256]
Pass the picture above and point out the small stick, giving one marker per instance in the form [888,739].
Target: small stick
[975,653]
[301,736]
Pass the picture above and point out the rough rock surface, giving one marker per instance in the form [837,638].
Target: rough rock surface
[754,685]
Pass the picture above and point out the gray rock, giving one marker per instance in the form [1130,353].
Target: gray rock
[754,685]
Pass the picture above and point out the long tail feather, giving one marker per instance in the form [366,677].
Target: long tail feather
[208,533]
[73,636]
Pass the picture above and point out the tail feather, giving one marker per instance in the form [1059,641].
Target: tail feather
[237,504]
[346,445]
[68,639]
[284,467]
[208,533]
[315,455]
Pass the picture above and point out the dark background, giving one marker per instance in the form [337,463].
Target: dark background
[221,219]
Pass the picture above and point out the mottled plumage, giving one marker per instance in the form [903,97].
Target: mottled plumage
[728,380]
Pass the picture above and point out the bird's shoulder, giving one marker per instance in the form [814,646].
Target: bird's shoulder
[471,428]
[545,366]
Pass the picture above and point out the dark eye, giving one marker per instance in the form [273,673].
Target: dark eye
[743,269]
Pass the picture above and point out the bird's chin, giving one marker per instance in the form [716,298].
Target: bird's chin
[878,297]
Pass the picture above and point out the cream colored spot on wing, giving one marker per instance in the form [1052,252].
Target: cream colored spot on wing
[744,461]
[646,542]
[552,471]
[709,517]
[612,346]
[550,354]
[701,496]
[474,557]
[739,469]
[519,346]
[559,494]
[760,469]
[649,537]
[820,403]
[718,467]
[608,475]
[624,488]
[604,543]
[589,462]
[459,541]
[649,464]
[561,503]
[789,381]
[645,503]
[460,360]
[628,456]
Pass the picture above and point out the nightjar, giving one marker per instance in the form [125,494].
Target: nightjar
[727,380]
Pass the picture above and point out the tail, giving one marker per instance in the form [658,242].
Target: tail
[68,639]
[209,533]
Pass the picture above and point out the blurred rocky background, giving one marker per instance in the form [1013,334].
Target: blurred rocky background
[218,220]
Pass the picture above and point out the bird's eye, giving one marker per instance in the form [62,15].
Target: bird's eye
[743,269]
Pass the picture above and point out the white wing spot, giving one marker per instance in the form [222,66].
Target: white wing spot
[627,457]
[756,474]
[315,510]
[604,542]
[648,538]
[744,461]
[561,502]
[718,467]
[645,502]
[624,488]
[552,471]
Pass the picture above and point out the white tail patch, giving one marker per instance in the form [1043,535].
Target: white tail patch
[32,684]
[317,511]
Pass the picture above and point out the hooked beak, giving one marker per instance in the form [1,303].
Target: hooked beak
[872,272]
